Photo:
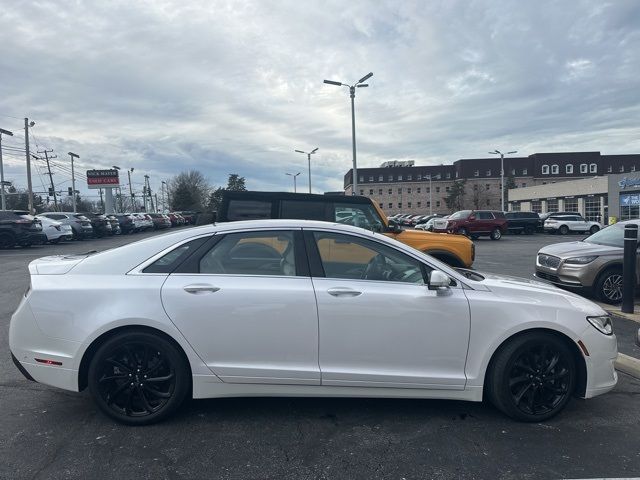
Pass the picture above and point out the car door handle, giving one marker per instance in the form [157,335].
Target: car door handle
[200,288]
[343,292]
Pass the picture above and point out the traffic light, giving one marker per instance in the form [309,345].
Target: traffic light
[51,192]
[70,191]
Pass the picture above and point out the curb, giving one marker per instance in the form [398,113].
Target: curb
[628,365]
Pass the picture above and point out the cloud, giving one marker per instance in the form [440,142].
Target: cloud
[236,86]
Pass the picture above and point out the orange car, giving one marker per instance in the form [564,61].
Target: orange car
[455,250]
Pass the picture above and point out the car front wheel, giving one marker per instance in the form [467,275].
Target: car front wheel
[563,230]
[594,229]
[138,378]
[463,231]
[608,287]
[532,377]
[496,234]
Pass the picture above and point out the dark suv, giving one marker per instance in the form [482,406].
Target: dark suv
[17,227]
[527,222]
[474,223]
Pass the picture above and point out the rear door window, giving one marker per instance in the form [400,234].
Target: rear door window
[303,210]
[248,210]
[485,216]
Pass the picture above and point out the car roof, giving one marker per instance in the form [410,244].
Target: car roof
[309,197]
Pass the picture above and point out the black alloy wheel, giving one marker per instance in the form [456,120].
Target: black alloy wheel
[533,377]
[138,378]
[594,229]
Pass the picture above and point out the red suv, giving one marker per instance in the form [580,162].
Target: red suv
[474,223]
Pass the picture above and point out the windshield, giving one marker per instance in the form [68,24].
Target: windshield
[612,236]
[460,214]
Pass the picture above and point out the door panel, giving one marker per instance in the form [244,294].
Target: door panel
[391,334]
[248,329]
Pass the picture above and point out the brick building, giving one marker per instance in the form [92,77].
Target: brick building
[408,188]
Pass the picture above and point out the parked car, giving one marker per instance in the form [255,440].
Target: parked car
[126,222]
[324,293]
[17,227]
[475,223]
[593,265]
[570,223]
[454,250]
[434,224]
[176,219]
[142,222]
[55,231]
[101,225]
[115,224]
[189,217]
[523,222]
[160,220]
[80,225]
[545,216]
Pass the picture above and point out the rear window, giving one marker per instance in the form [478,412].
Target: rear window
[248,210]
[303,210]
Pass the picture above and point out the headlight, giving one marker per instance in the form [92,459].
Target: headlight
[580,260]
[602,323]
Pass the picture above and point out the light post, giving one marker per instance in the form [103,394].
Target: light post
[308,154]
[162,186]
[73,180]
[498,152]
[4,201]
[352,91]
[168,197]
[294,175]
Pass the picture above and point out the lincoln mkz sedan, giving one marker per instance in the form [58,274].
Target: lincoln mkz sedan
[302,308]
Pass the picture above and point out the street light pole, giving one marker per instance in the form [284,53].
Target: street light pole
[294,175]
[133,205]
[2,194]
[430,197]
[73,180]
[352,93]
[308,154]
[498,152]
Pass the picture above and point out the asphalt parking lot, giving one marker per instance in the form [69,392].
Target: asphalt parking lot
[49,433]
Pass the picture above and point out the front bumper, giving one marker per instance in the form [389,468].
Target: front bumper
[603,352]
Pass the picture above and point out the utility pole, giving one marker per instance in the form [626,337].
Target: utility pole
[73,180]
[26,146]
[162,185]
[133,205]
[101,201]
[4,201]
[157,204]
[168,198]
[47,158]
[146,182]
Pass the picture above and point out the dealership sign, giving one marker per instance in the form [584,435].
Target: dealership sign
[627,182]
[629,200]
[103,178]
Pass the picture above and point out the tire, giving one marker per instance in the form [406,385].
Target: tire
[121,388]
[529,230]
[563,230]
[475,237]
[608,286]
[463,231]
[594,229]
[55,241]
[532,377]
[496,234]
[7,240]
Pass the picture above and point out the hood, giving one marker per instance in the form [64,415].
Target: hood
[574,249]
[535,291]
[417,235]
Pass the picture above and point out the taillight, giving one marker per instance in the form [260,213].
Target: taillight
[25,222]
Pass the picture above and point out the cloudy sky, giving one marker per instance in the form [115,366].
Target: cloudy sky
[235,86]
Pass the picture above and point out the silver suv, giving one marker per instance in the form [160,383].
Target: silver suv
[593,264]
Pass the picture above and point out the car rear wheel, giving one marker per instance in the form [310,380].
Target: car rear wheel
[138,378]
[594,229]
[563,230]
[532,377]
[529,230]
[7,240]
[496,234]
[608,287]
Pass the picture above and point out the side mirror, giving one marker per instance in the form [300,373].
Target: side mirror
[438,280]
[393,227]
[472,217]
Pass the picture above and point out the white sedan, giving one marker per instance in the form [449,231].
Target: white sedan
[55,231]
[301,308]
